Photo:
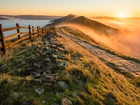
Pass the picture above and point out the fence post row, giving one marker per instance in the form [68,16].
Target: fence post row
[32,31]
[2,40]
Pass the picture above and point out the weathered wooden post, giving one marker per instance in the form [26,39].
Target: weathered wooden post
[2,39]
[30,32]
[33,30]
[18,31]
[38,30]
[42,31]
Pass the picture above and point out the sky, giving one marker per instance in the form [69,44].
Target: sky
[112,8]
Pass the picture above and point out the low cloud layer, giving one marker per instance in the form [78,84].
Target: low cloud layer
[126,42]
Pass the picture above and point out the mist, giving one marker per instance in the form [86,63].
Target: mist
[125,42]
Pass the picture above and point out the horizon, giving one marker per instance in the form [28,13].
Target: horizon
[65,15]
[88,8]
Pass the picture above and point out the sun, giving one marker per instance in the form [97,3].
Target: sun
[122,14]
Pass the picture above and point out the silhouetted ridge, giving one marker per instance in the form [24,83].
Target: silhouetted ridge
[97,26]
[64,19]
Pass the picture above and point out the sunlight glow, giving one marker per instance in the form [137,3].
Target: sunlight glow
[122,14]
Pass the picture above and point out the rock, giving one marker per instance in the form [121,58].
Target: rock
[28,103]
[43,102]
[74,94]
[38,71]
[47,71]
[65,101]
[59,93]
[18,61]
[52,65]
[23,63]
[62,84]
[16,94]
[40,45]
[47,59]
[24,82]
[49,52]
[66,76]
[60,49]
[36,81]
[49,78]
[62,58]
[63,65]
[4,67]
[53,46]
[38,64]
[47,84]
[37,75]
[33,47]
[55,104]
[23,44]
[19,71]
[39,51]
[54,56]
[40,90]
[29,69]
[60,45]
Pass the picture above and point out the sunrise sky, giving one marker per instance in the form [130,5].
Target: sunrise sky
[113,8]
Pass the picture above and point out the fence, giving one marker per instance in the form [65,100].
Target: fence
[32,32]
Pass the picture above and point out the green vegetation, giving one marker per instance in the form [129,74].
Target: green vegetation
[86,38]
[93,82]
[90,82]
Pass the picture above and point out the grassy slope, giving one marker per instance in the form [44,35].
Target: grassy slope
[90,82]
[97,84]
[94,25]
[77,33]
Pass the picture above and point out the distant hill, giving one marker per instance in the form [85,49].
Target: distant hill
[28,17]
[65,19]
[62,20]
[95,25]
[2,18]
[86,22]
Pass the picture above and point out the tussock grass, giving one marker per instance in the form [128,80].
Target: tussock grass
[90,81]
[94,82]
[77,33]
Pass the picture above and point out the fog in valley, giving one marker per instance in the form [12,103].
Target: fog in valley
[126,41]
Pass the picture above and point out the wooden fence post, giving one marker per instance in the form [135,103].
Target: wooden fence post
[42,31]
[33,30]
[2,39]
[30,32]
[38,30]
[18,31]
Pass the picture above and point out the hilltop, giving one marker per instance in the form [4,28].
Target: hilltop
[85,22]
[67,67]
[61,20]
[27,17]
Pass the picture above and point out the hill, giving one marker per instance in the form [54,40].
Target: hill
[54,70]
[94,25]
[28,17]
[62,20]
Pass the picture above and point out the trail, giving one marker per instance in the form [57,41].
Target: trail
[107,58]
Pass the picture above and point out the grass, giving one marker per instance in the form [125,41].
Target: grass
[90,82]
[97,84]
[11,81]
[86,38]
